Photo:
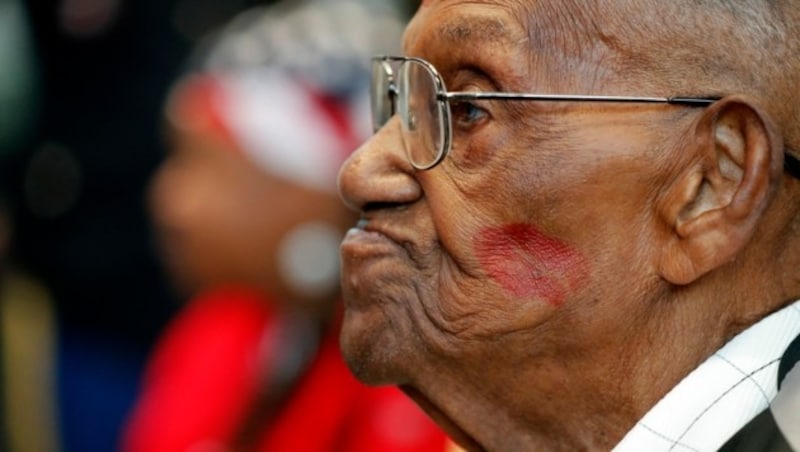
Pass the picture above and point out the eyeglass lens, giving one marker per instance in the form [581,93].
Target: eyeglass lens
[422,114]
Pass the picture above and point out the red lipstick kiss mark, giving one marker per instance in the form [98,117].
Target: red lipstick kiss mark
[528,263]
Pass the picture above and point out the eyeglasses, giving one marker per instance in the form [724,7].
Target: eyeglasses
[418,94]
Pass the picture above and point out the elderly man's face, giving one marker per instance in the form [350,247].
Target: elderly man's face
[529,239]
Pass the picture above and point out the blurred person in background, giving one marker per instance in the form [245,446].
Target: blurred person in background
[249,223]
[82,85]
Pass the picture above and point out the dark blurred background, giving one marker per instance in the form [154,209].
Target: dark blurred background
[80,135]
[74,185]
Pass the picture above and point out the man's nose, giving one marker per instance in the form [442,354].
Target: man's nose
[378,174]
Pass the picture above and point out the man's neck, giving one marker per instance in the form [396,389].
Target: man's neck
[583,398]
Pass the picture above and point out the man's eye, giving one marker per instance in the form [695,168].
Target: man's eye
[466,114]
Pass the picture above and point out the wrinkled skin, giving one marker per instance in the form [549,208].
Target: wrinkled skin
[517,290]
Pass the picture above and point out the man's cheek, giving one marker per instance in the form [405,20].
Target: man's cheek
[530,264]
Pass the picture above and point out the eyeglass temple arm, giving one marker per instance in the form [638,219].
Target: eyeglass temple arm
[692,101]
[681,100]
[791,164]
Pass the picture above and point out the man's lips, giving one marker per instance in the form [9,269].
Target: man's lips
[364,241]
[364,255]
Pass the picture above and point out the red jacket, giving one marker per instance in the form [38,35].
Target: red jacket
[208,366]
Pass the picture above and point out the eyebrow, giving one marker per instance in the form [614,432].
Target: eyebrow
[480,29]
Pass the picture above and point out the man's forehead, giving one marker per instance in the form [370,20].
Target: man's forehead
[527,35]
[544,24]
[463,23]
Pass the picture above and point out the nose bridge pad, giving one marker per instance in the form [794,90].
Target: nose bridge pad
[393,96]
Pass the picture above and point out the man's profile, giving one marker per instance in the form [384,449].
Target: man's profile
[580,221]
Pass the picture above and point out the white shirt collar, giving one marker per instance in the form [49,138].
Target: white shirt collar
[723,394]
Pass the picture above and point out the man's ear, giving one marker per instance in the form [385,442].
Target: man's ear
[713,208]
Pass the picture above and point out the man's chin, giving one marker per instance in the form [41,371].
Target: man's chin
[369,348]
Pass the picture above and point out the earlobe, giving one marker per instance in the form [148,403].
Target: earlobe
[714,207]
